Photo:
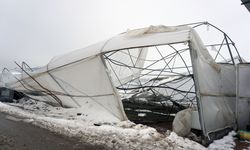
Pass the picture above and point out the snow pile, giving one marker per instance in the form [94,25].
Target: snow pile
[120,135]
[226,143]
[33,106]
[184,142]
[42,108]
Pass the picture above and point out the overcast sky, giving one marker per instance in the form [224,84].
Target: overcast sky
[36,30]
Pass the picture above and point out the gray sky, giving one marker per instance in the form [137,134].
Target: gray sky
[36,30]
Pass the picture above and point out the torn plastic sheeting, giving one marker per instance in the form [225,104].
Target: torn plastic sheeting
[84,76]
[182,122]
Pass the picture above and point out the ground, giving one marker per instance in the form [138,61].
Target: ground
[15,134]
[38,122]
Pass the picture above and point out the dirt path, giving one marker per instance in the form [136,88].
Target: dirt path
[18,135]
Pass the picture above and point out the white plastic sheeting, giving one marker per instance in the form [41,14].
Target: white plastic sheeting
[182,122]
[84,84]
[216,89]
[134,58]
[81,78]
[243,95]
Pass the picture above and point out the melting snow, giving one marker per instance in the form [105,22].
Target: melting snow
[116,135]
[226,143]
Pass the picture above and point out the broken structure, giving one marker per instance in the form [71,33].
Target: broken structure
[168,63]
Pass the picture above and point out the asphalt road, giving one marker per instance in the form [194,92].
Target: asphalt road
[18,135]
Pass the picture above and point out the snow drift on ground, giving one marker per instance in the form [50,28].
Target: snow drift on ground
[117,135]
[226,143]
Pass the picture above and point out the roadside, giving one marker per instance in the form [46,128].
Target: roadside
[16,134]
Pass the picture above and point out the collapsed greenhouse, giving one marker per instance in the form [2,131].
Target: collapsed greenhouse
[167,66]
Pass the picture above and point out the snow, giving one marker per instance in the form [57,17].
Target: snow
[142,114]
[149,111]
[143,110]
[226,143]
[41,108]
[183,142]
[115,135]
[128,109]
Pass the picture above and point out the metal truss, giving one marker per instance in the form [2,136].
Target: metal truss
[221,48]
[160,74]
[166,76]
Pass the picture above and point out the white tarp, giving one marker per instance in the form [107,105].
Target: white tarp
[135,57]
[182,122]
[81,78]
[216,89]
[243,95]
[83,84]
